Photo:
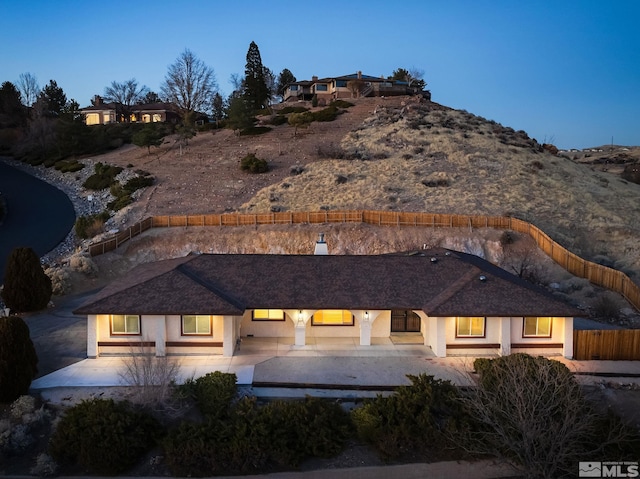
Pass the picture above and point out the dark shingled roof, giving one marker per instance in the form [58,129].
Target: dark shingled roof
[439,282]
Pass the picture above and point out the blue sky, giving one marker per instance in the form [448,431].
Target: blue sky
[567,70]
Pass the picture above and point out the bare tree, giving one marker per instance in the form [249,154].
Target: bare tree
[189,83]
[534,415]
[151,377]
[28,87]
[127,93]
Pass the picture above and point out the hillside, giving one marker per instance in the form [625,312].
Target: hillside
[401,154]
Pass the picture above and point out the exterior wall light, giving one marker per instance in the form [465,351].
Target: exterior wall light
[366,315]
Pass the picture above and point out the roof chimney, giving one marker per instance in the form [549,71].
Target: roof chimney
[321,246]
[314,78]
[359,75]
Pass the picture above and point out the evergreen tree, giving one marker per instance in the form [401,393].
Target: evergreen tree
[256,91]
[18,359]
[149,136]
[12,113]
[218,108]
[239,115]
[51,100]
[26,286]
[284,79]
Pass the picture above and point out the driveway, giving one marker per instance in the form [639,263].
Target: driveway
[59,336]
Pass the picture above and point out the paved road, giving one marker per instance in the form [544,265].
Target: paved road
[39,215]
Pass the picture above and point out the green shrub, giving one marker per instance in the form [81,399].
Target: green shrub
[253,164]
[103,436]
[301,429]
[278,120]
[341,104]
[18,359]
[326,114]
[420,418]
[103,177]
[292,109]
[314,101]
[26,286]
[237,444]
[91,225]
[68,166]
[138,182]
[120,202]
[255,130]
[214,392]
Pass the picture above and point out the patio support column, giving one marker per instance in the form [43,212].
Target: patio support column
[161,336]
[92,336]
[438,336]
[229,336]
[567,343]
[365,329]
[300,328]
[505,336]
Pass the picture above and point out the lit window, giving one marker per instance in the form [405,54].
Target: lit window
[157,117]
[125,324]
[195,324]
[470,327]
[536,327]
[332,317]
[268,315]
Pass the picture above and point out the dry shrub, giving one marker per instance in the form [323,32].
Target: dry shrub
[60,281]
[83,264]
[151,377]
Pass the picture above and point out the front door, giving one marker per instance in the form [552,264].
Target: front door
[404,321]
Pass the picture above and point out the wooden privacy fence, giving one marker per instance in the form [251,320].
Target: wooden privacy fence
[615,344]
[597,274]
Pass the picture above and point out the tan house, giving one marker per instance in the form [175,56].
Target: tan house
[203,304]
[347,86]
[104,113]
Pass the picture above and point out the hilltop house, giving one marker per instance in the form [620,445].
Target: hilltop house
[347,86]
[203,304]
[104,113]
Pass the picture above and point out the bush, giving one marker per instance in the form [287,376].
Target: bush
[103,177]
[301,429]
[18,359]
[255,130]
[138,182]
[421,417]
[326,114]
[282,433]
[532,413]
[91,225]
[214,392]
[314,101]
[68,166]
[103,436]
[253,164]
[26,286]
[341,104]
[292,109]
[236,445]
[278,120]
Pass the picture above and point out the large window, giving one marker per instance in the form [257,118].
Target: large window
[341,83]
[196,325]
[293,87]
[536,327]
[470,327]
[268,315]
[126,324]
[321,87]
[332,317]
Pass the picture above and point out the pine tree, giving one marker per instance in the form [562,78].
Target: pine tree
[256,91]
[26,286]
[18,359]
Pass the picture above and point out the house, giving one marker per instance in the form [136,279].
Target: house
[203,304]
[101,113]
[347,86]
